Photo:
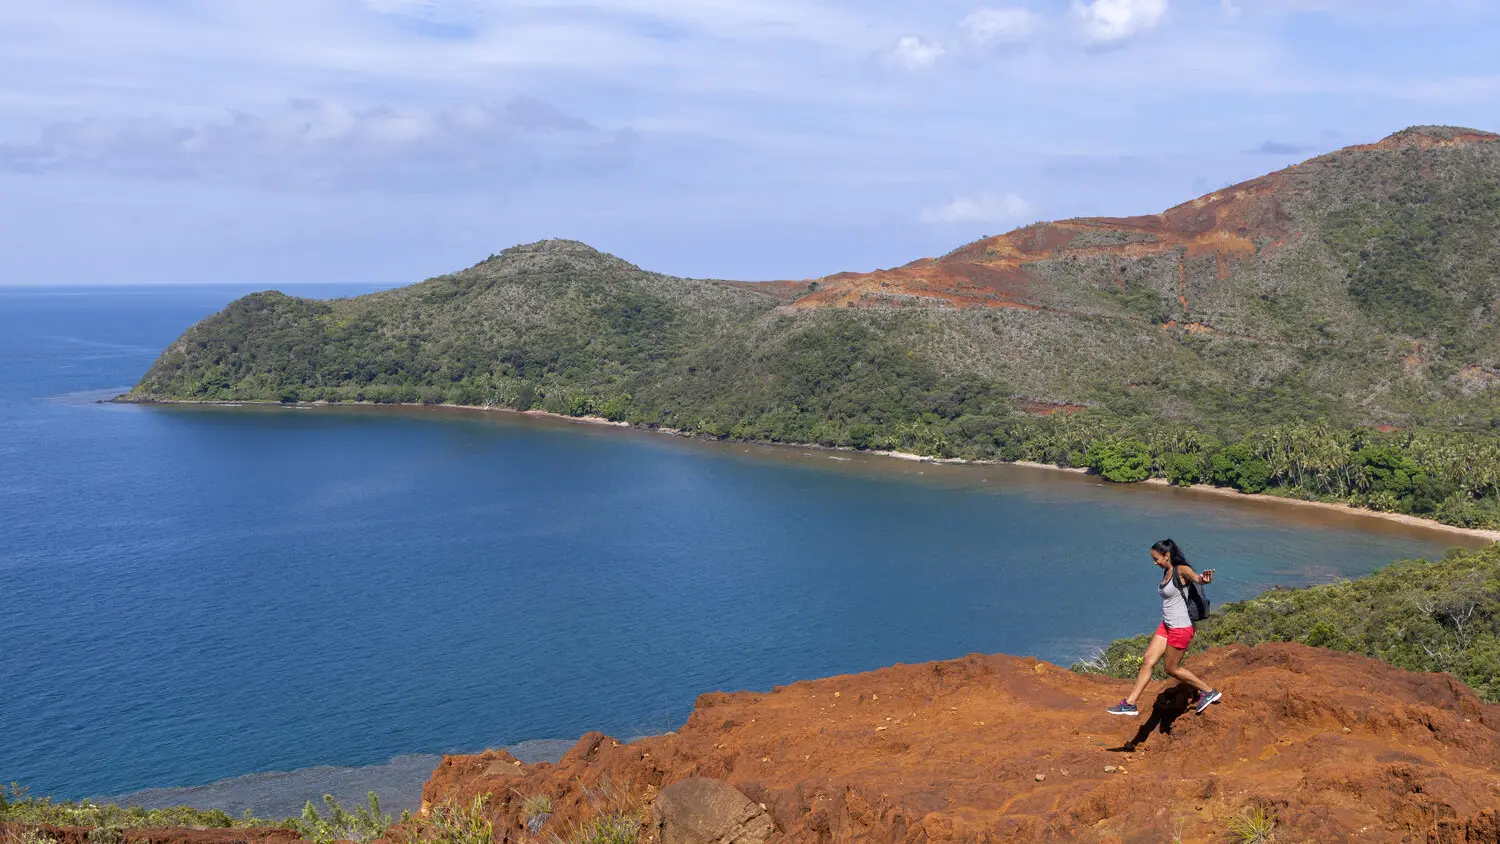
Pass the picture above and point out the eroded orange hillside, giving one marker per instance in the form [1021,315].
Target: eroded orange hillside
[1332,746]
[1231,225]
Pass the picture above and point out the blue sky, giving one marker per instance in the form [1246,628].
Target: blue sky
[384,141]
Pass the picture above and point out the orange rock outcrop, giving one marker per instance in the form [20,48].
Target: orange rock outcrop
[1332,746]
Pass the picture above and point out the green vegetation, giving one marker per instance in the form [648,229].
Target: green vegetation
[1253,825]
[1400,249]
[1125,461]
[605,829]
[450,823]
[535,811]
[107,822]
[1453,478]
[1416,614]
[18,806]
[24,835]
[1367,306]
[364,824]
[616,816]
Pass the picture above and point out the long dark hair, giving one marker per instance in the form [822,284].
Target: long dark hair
[1168,547]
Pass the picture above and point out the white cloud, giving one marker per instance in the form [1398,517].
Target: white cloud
[766,110]
[986,27]
[312,144]
[914,53]
[1113,21]
[983,208]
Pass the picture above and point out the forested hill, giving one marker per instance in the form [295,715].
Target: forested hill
[1353,292]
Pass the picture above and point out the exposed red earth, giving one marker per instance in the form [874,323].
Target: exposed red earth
[993,272]
[1334,747]
[1229,226]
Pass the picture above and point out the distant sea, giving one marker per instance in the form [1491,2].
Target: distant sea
[189,595]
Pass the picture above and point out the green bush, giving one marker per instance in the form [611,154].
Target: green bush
[450,823]
[616,408]
[1237,466]
[18,806]
[1121,461]
[363,825]
[1415,614]
[1183,469]
[26,835]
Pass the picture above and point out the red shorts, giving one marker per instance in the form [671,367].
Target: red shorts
[1177,637]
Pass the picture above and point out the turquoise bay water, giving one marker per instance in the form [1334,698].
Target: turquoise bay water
[191,594]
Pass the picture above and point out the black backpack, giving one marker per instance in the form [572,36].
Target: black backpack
[1192,594]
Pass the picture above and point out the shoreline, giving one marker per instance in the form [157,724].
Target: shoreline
[278,794]
[1207,489]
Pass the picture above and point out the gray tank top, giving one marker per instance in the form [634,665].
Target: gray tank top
[1174,609]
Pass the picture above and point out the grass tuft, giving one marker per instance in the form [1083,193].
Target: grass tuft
[1253,825]
[535,810]
[617,817]
[451,823]
[364,824]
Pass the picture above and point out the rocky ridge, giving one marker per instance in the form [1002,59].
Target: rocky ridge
[1329,746]
[1222,230]
[1360,286]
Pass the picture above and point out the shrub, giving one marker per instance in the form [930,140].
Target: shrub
[1120,461]
[450,823]
[1415,614]
[1253,825]
[607,829]
[25,835]
[617,817]
[362,825]
[107,821]
[862,435]
[1183,469]
[1237,466]
[616,408]
[535,810]
[1325,635]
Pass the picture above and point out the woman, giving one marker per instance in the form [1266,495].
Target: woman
[1176,631]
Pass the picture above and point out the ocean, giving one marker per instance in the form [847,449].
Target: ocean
[191,594]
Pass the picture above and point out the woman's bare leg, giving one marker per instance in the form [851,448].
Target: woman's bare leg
[1176,671]
[1154,651]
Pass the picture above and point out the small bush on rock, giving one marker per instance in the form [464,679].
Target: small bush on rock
[450,823]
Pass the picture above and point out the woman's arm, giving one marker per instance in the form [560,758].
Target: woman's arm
[1186,573]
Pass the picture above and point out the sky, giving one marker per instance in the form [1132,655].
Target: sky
[387,141]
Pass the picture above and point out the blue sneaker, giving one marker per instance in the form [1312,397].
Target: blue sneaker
[1123,708]
[1207,698]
